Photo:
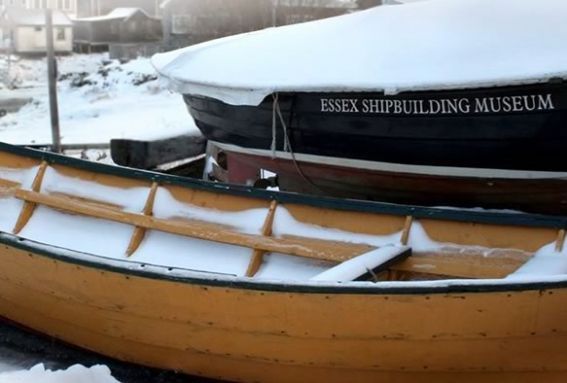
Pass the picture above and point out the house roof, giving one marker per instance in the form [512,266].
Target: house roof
[34,17]
[118,13]
[347,4]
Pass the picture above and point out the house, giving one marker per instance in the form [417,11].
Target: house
[122,28]
[187,22]
[299,11]
[91,8]
[67,6]
[26,29]
[11,3]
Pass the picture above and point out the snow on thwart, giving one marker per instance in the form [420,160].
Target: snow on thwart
[435,44]
[358,266]
[74,374]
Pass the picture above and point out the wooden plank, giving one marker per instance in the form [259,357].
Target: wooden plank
[140,232]
[29,207]
[258,255]
[150,154]
[298,246]
[473,263]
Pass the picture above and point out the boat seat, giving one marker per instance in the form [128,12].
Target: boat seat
[363,266]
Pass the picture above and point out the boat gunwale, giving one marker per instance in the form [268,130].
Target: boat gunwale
[549,83]
[418,212]
[213,279]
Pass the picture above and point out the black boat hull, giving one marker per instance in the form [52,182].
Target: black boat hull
[495,147]
[521,127]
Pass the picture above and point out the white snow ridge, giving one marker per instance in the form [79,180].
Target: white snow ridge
[74,374]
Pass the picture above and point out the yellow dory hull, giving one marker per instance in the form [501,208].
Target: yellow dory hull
[283,334]
[253,329]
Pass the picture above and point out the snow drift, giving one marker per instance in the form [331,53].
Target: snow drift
[74,374]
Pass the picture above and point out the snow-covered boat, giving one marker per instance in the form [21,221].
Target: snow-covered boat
[437,102]
[249,285]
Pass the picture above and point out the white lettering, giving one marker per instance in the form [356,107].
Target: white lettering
[545,103]
[478,105]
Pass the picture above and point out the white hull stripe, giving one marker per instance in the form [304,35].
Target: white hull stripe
[446,171]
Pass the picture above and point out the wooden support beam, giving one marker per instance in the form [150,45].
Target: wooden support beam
[140,232]
[560,241]
[406,231]
[258,255]
[298,246]
[29,207]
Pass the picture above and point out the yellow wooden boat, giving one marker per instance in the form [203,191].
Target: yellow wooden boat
[248,285]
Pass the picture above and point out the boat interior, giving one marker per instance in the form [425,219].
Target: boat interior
[141,218]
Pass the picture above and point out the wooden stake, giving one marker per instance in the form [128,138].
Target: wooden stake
[560,241]
[52,82]
[140,232]
[406,231]
[258,255]
[29,207]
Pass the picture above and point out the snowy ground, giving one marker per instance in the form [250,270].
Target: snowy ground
[99,99]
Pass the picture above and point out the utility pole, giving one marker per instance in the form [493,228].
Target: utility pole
[9,50]
[52,81]
[275,13]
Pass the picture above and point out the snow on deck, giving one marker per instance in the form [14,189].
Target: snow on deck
[435,44]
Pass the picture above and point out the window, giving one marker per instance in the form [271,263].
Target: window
[60,34]
[64,5]
[181,24]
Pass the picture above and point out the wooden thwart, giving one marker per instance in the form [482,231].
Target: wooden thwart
[464,263]
[365,266]
[303,247]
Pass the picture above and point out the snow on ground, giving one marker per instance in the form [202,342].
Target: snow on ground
[99,99]
[74,374]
